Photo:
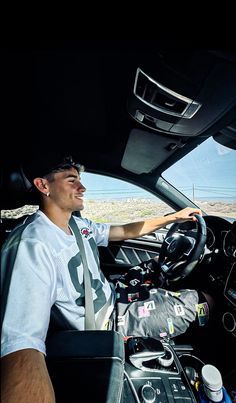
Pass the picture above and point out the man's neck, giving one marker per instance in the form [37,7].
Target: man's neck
[60,218]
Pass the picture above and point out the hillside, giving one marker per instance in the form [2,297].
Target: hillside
[132,209]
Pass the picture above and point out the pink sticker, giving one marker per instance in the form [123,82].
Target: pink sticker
[163,334]
[143,312]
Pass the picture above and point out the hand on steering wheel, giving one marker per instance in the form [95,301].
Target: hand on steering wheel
[182,248]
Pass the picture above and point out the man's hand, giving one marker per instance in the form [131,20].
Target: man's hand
[187,214]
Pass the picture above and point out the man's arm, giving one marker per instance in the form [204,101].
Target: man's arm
[137,229]
[25,379]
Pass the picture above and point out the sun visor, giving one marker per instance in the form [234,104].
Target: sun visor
[145,151]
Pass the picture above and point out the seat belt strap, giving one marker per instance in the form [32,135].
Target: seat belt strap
[89,306]
[102,313]
[89,323]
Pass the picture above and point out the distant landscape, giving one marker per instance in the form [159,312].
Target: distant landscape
[130,209]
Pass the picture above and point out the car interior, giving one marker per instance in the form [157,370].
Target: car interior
[129,109]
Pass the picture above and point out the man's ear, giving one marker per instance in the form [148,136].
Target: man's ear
[41,185]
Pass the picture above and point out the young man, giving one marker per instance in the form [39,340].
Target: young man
[48,270]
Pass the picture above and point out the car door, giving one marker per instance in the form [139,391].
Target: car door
[116,201]
[118,257]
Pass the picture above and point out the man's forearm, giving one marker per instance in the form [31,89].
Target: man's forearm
[137,229]
[25,379]
[141,228]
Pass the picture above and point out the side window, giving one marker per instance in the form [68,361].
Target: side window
[116,201]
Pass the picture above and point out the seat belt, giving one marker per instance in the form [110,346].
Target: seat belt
[90,323]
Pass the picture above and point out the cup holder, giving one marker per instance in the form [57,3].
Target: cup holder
[192,366]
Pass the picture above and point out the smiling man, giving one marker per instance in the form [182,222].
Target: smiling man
[47,270]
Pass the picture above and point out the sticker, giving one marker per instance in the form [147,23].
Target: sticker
[170,326]
[134,282]
[153,291]
[163,334]
[143,312]
[202,309]
[85,232]
[202,320]
[179,310]
[133,297]
[150,305]
[202,313]
[175,293]
[120,321]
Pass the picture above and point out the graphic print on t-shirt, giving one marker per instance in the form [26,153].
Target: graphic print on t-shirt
[97,284]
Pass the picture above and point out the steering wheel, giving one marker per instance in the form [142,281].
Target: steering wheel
[181,249]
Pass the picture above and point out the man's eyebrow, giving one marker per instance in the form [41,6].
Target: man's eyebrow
[72,176]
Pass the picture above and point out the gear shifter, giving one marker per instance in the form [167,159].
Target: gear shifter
[143,349]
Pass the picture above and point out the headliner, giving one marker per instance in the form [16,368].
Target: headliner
[75,95]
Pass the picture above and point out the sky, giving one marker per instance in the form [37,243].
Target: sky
[99,187]
[210,169]
[209,172]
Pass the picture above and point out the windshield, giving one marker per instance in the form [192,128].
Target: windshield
[207,175]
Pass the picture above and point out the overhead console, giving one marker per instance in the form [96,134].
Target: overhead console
[182,98]
[162,99]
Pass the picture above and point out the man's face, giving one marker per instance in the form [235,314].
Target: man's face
[66,190]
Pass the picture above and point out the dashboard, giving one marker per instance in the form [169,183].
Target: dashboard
[220,262]
[221,234]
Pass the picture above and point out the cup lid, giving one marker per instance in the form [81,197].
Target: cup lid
[211,377]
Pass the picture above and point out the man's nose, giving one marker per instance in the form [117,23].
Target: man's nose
[82,188]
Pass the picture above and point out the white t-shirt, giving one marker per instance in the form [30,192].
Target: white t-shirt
[48,270]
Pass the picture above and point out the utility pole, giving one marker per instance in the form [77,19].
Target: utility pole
[193,192]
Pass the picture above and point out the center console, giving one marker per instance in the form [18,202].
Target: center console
[154,373]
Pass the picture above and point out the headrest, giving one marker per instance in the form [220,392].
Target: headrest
[15,189]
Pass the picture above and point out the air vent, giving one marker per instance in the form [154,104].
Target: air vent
[163,99]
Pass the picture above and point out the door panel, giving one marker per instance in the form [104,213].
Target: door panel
[118,257]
